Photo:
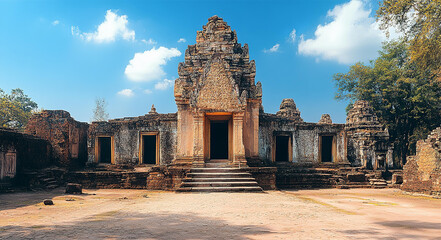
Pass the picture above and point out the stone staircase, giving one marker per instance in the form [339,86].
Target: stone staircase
[219,179]
[47,179]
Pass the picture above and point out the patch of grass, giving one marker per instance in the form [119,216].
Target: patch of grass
[377,203]
[311,200]
[38,226]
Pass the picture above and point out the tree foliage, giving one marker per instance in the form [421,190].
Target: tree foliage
[15,108]
[100,112]
[420,21]
[405,98]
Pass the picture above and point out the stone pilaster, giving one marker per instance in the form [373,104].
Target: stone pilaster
[198,140]
[239,159]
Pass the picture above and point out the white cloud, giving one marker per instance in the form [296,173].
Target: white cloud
[147,91]
[56,22]
[149,42]
[274,48]
[126,93]
[292,35]
[147,66]
[351,36]
[164,84]
[113,27]
[181,40]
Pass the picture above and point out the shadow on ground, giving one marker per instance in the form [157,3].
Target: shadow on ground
[131,225]
[395,226]
[27,198]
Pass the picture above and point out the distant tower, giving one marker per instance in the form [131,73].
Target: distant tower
[325,119]
[153,110]
[288,109]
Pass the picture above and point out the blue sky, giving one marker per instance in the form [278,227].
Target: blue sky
[65,54]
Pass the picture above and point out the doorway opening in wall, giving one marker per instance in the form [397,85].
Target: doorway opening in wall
[282,148]
[149,148]
[104,149]
[219,139]
[326,154]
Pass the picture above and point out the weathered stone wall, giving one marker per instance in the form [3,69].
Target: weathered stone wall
[422,172]
[126,136]
[20,151]
[67,136]
[305,138]
[156,178]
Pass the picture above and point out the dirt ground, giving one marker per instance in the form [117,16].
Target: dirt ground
[141,214]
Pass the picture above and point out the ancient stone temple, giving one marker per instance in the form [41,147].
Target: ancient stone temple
[221,122]
[218,100]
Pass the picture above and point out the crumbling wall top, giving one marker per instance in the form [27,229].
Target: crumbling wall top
[325,119]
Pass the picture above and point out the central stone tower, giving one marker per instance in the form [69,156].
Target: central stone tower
[218,101]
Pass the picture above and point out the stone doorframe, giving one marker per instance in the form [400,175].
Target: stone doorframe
[141,145]
[334,148]
[207,133]
[201,147]
[97,148]
[274,145]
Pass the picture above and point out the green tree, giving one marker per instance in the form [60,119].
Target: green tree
[420,21]
[405,98]
[15,108]
[100,112]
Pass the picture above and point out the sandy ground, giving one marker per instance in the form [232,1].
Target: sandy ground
[140,214]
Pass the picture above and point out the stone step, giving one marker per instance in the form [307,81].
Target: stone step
[218,161]
[244,179]
[217,165]
[51,186]
[346,186]
[221,189]
[219,175]
[215,170]
[219,184]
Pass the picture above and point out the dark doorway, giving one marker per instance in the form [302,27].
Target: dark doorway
[219,139]
[282,148]
[327,148]
[105,149]
[149,149]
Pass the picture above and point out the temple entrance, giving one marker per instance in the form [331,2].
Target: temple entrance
[282,148]
[219,139]
[149,148]
[326,153]
[104,149]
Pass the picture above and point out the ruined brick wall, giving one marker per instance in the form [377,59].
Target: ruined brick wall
[155,178]
[126,136]
[67,136]
[368,140]
[422,172]
[20,151]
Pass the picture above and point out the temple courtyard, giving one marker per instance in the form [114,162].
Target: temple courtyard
[297,214]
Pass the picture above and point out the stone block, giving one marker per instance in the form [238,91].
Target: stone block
[397,178]
[74,188]
[356,177]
